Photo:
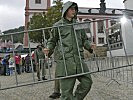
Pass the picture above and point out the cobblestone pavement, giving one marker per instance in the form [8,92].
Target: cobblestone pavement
[100,89]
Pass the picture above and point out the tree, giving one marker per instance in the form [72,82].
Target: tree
[36,22]
[54,13]
[45,20]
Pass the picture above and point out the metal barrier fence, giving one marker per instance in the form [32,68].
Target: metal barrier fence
[121,72]
[116,68]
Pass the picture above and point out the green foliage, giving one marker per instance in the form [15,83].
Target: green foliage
[36,22]
[21,28]
[16,38]
[43,20]
[54,13]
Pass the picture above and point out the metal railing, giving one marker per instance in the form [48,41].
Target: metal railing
[115,68]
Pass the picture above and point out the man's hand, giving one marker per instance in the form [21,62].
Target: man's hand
[93,46]
[46,51]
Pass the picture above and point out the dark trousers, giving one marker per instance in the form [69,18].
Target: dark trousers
[6,69]
[27,68]
[83,87]
[18,69]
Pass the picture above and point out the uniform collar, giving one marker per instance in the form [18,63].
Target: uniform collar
[69,22]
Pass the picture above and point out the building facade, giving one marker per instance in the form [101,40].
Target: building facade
[128,4]
[34,7]
[100,21]
[84,14]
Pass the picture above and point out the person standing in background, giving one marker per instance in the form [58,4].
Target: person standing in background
[17,62]
[27,63]
[39,57]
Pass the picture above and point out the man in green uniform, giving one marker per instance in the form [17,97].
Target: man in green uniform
[39,61]
[64,42]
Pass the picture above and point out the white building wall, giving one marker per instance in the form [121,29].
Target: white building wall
[128,30]
[128,4]
[32,4]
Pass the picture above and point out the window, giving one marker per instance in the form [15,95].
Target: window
[100,26]
[101,40]
[37,1]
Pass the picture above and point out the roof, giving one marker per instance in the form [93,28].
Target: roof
[96,10]
[32,45]
[17,45]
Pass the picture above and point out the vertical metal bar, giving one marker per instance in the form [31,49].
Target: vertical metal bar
[78,50]
[44,37]
[123,70]
[115,71]
[31,58]
[14,61]
[42,67]
[118,64]
[101,65]
[39,67]
[96,61]
[113,67]
[131,70]
[107,66]
[62,50]
[110,64]
[45,54]
[107,72]
[90,63]
[94,50]
[104,64]
[109,50]
[125,53]
[120,68]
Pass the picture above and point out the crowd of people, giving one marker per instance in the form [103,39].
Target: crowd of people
[22,64]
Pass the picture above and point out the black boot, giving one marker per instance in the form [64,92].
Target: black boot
[55,95]
[43,78]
